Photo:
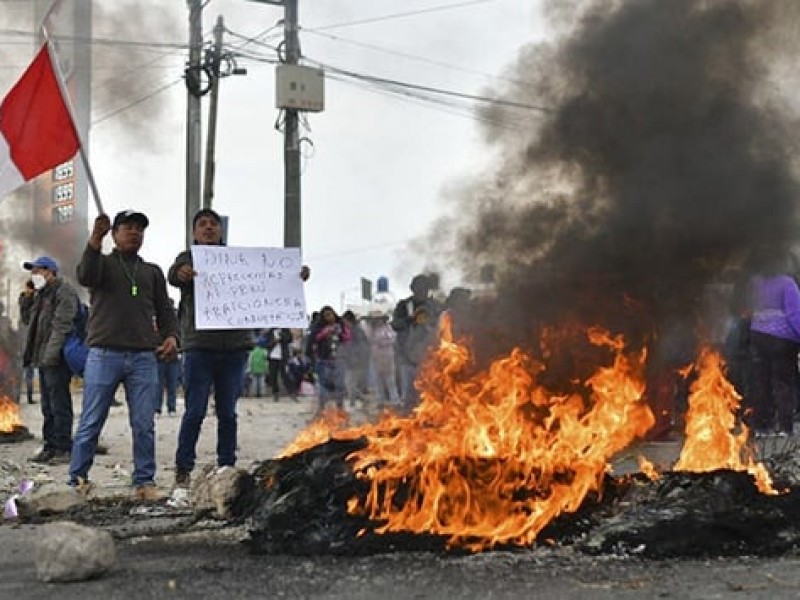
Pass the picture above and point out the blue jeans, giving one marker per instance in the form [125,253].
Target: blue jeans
[257,382]
[56,407]
[330,379]
[105,370]
[168,375]
[202,369]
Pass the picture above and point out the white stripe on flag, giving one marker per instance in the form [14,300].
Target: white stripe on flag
[10,177]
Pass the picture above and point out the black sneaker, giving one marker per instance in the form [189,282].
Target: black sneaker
[59,457]
[43,456]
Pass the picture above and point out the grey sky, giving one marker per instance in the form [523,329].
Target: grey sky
[372,181]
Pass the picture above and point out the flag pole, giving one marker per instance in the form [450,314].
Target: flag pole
[68,103]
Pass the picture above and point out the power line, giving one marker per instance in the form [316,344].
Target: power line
[435,103]
[419,87]
[412,13]
[98,41]
[256,39]
[381,246]
[422,94]
[136,102]
[167,86]
[134,70]
[424,59]
[432,90]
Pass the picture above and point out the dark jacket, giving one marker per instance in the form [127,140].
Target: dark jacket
[118,317]
[282,336]
[414,337]
[203,339]
[49,315]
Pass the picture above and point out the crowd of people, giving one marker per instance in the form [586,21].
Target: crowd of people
[349,359]
[139,340]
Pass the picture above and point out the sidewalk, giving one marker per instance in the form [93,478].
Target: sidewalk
[265,428]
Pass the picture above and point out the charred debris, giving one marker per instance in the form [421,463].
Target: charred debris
[298,505]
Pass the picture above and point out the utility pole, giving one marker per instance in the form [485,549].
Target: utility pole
[193,114]
[291,132]
[291,139]
[211,136]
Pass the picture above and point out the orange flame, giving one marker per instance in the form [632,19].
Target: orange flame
[649,469]
[493,458]
[318,432]
[9,415]
[711,442]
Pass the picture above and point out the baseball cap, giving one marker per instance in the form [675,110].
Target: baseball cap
[43,262]
[130,215]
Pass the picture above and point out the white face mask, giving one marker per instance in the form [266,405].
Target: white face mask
[38,281]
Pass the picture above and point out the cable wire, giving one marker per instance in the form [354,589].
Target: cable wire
[430,89]
[136,102]
[506,123]
[99,41]
[424,59]
[402,15]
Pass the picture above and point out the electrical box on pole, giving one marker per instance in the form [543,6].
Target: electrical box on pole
[300,88]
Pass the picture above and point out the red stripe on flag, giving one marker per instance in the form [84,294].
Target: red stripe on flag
[35,120]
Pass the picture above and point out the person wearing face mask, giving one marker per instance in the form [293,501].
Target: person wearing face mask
[132,326]
[49,313]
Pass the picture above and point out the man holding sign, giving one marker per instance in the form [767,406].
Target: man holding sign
[226,293]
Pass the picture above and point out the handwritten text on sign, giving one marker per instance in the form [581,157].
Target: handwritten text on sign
[248,288]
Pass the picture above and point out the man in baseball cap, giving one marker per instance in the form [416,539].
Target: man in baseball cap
[49,315]
[130,216]
[132,326]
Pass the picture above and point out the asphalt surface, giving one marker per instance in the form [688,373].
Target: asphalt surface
[217,566]
[212,562]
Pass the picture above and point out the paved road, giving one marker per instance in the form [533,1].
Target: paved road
[216,564]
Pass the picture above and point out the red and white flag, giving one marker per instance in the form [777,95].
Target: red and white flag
[36,130]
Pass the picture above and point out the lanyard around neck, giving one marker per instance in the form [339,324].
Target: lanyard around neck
[131,275]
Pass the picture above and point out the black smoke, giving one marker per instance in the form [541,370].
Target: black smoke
[664,153]
[137,59]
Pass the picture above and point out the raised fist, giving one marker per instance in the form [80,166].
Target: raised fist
[102,225]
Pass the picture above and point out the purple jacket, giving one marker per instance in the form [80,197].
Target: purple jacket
[776,306]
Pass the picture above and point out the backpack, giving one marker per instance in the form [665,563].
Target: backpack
[75,349]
